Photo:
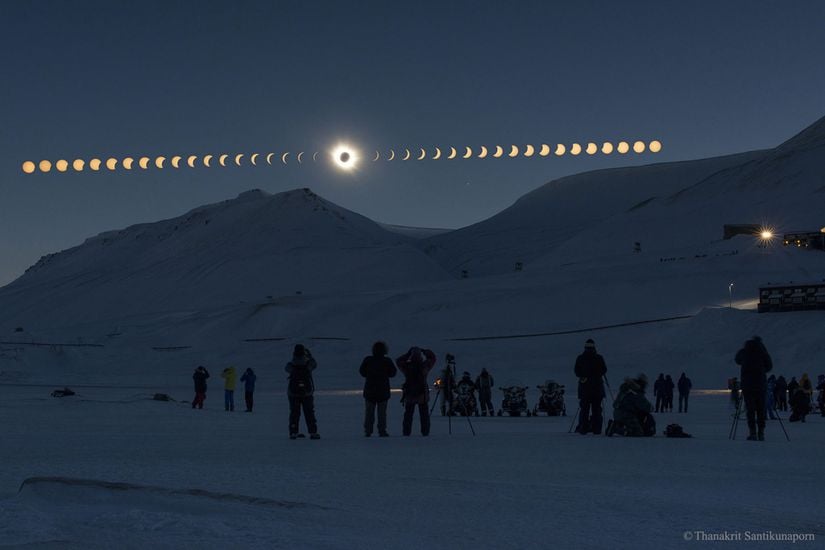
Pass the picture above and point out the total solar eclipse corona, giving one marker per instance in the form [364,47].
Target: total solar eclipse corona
[345,157]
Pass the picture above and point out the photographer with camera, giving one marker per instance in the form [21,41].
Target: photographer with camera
[300,390]
[377,369]
[416,365]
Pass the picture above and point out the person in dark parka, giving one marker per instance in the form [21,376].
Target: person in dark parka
[590,369]
[659,392]
[200,375]
[484,384]
[631,410]
[684,385]
[300,392]
[416,365]
[377,369]
[669,385]
[755,363]
[248,378]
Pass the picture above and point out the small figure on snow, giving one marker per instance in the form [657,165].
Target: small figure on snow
[781,393]
[200,375]
[300,392]
[590,369]
[820,397]
[229,382]
[248,378]
[684,385]
[668,402]
[659,392]
[484,385]
[756,363]
[771,398]
[416,365]
[377,369]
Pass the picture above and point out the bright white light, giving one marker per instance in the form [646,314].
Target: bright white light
[344,157]
[766,235]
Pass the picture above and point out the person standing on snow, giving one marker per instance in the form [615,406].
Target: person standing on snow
[300,392]
[684,385]
[820,397]
[416,365]
[200,375]
[590,369]
[756,363]
[248,380]
[659,392]
[229,382]
[806,386]
[669,385]
[377,369]
[484,384]
[771,397]
[782,393]
[447,388]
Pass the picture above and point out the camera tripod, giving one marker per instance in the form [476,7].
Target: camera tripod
[737,414]
[579,408]
[448,398]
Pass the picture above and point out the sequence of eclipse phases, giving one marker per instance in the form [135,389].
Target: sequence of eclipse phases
[344,157]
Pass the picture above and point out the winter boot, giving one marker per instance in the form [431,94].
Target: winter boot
[761,434]
[751,434]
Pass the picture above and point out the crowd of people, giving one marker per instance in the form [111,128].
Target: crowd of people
[761,395]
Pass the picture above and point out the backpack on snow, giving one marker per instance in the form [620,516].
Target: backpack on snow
[675,430]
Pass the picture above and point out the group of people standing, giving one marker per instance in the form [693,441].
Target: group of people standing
[631,409]
[663,392]
[201,375]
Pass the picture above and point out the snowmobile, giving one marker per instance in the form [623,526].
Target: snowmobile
[514,402]
[551,400]
[464,401]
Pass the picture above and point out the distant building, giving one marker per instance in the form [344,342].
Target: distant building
[792,296]
[805,239]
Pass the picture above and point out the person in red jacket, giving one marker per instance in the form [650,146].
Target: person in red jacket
[416,365]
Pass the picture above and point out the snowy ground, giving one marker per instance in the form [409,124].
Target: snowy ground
[520,483]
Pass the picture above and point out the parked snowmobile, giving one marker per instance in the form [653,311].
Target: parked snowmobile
[551,400]
[514,402]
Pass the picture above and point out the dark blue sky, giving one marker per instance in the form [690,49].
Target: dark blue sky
[84,79]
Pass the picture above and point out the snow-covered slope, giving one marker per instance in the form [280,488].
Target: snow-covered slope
[662,206]
[248,248]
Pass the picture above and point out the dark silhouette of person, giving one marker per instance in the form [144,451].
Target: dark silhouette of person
[590,369]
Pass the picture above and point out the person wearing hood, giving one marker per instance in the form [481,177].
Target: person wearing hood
[684,385]
[199,377]
[590,369]
[793,385]
[229,382]
[300,392]
[415,365]
[248,380]
[484,384]
[377,369]
[755,363]
[631,410]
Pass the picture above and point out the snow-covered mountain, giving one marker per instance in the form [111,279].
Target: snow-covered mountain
[247,248]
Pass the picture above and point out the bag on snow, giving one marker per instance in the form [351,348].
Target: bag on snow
[675,430]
